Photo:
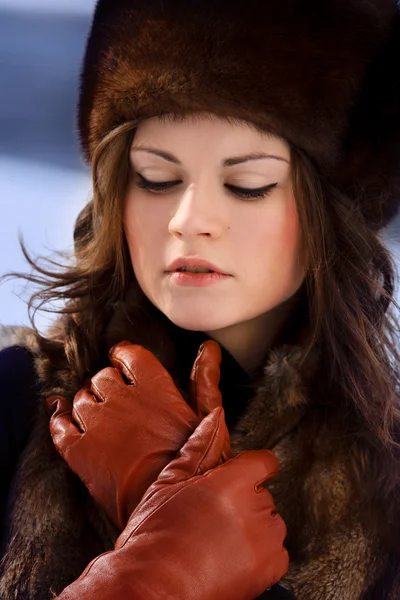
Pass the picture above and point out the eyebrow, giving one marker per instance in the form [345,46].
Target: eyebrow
[227,162]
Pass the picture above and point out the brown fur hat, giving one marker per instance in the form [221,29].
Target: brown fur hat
[324,75]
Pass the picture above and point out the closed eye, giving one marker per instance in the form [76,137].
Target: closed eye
[161,186]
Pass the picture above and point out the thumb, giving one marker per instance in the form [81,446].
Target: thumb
[202,452]
[204,393]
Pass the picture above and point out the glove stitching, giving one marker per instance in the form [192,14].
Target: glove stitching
[202,459]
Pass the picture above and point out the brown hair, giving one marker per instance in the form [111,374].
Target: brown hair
[349,282]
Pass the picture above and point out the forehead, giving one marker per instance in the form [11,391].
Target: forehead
[206,128]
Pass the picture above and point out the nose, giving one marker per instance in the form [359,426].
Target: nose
[199,212]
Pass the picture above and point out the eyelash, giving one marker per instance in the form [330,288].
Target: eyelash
[241,192]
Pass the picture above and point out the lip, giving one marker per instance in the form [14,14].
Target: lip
[180,278]
[192,261]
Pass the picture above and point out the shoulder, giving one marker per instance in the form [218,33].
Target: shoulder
[19,393]
[17,371]
[19,397]
[17,365]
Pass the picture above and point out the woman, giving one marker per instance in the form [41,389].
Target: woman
[179,101]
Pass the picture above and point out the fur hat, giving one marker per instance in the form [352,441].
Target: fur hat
[324,75]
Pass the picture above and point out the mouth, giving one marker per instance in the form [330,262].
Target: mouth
[194,265]
[194,270]
[183,277]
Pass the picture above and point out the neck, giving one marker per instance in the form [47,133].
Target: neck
[249,341]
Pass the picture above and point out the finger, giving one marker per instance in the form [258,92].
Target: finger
[136,362]
[204,392]
[214,453]
[85,403]
[106,383]
[57,404]
[201,452]
[142,367]
[51,403]
[63,430]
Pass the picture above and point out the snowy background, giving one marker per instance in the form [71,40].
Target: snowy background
[43,181]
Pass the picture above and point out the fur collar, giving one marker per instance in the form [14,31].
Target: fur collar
[337,540]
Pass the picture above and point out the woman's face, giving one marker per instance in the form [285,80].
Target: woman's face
[254,240]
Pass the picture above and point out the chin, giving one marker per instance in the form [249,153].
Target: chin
[196,322]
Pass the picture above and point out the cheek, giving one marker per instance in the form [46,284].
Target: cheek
[142,224]
[276,244]
[290,234]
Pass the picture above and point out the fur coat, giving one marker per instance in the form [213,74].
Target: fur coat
[342,525]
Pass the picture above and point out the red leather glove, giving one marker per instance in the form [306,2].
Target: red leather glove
[117,436]
[203,531]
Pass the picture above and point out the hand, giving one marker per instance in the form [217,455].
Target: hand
[118,436]
[203,531]
[204,393]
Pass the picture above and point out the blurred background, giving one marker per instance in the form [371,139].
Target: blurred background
[43,180]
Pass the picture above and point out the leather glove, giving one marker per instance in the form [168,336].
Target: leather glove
[205,530]
[117,436]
